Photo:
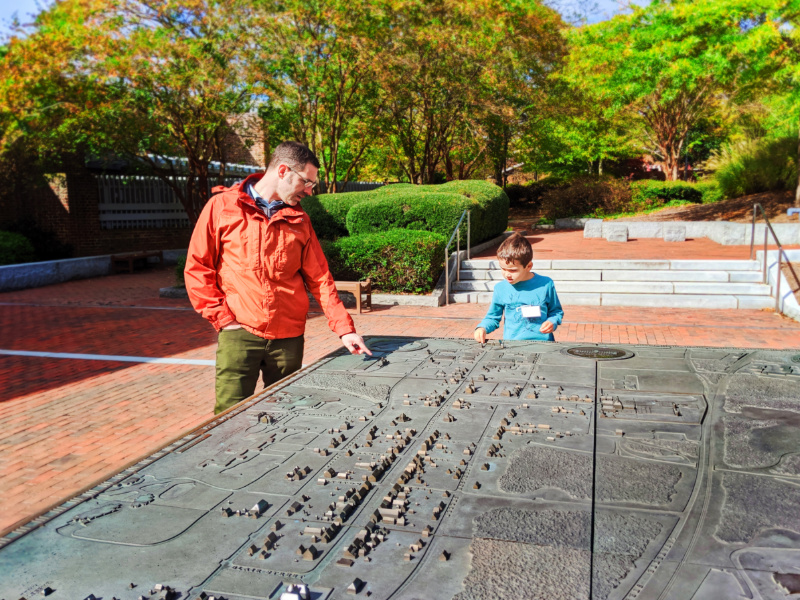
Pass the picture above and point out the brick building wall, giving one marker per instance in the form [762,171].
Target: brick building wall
[244,141]
[66,204]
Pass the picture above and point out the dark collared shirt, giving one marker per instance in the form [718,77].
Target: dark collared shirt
[269,208]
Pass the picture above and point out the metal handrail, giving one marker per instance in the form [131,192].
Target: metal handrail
[457,237]
[781,252]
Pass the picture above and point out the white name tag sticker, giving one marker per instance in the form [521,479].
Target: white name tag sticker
[531,312]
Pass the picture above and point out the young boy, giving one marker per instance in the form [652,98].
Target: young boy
[529,301]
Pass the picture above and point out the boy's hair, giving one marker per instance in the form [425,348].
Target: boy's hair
[515,248]
[293,154]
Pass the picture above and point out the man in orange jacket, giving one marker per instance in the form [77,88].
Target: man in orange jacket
[253,253]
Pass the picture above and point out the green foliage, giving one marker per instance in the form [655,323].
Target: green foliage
[521,195]
[587,195]
[666,65]
[711,191]
[397,260]
[755,166]
[179,267]
[397,188]
[489,215]
[142,81]
[530,194]
[46,245]
[649,193]
[15,248]
[328,212]
[433,208]
[318,67]
[461,80]
[422,210]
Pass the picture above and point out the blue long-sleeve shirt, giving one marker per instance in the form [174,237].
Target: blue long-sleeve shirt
[508,299]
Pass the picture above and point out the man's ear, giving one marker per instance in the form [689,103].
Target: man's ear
[529,266]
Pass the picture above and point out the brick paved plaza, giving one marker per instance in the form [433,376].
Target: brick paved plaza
[66,423]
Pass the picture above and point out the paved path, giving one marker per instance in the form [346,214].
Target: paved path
[571,245]
[67,422]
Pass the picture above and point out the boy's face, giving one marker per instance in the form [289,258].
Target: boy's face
[514,271]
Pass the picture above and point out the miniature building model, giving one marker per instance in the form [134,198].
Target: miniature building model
[319,485]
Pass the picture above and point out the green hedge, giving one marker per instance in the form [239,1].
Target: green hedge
[490,217]
[179,268]
[654,193]
[415,209]
[397,260]
[403,205]
[15,248]
[328,212]
[434,208]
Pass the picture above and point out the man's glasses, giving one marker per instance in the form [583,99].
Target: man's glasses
[306,182]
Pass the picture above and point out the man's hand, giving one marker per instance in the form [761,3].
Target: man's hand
[547,327]
[354,343]
[480,335]
[232,325]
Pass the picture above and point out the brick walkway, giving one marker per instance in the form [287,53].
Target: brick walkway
[67,422]
[571,245]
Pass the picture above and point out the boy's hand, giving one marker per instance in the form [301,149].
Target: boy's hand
[547,327]
[480,335]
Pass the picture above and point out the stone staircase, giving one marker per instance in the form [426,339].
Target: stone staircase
[660,283]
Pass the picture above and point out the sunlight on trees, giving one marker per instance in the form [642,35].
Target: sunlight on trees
[398,89]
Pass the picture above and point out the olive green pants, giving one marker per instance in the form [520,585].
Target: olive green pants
[242,355]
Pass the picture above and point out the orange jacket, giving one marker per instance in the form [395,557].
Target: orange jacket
[242,267]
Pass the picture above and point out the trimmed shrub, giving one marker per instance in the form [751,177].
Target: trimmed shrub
[394,188]
[397,260]
[15,248]
[434,208]
[490,217]
[416,209]
[755,166]
[587,195]
[328,212]
[649,193]
[179,267]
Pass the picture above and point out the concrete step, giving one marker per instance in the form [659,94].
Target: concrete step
[624,265]
[615,275]
[633,287]
[708,301]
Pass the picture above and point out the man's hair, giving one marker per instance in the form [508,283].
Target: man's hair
[515,248]
[293,154]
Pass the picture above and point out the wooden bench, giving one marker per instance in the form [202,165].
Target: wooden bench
[357,288]
[126,262]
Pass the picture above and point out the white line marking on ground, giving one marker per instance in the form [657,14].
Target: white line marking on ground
[111,357]
[54,305]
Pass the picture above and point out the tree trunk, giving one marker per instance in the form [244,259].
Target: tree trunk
[671,164]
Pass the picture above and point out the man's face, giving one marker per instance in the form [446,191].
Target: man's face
[514,271]
[294,185]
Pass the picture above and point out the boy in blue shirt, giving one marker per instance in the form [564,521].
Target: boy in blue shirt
[529,301]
